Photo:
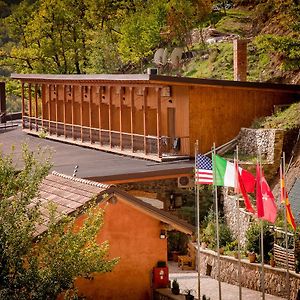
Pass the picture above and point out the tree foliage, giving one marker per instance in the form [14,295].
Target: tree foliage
[286,43]
[68,36]
[42,266]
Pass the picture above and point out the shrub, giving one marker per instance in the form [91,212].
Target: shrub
[253,235]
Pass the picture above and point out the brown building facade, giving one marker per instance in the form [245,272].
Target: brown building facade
[148,116]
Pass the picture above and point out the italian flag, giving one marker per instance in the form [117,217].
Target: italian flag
[224,174]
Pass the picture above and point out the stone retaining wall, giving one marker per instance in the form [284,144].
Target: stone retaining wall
[275,278]
[231,217]
[268,142]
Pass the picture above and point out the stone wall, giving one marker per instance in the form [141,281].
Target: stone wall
[231,217]
[268,142]
[275,278]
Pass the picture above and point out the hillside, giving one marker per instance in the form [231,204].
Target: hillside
[273,44]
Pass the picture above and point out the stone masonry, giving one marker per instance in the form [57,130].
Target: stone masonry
[231,217]
[275,278]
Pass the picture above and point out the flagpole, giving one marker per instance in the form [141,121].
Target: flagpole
[238,222]
[262,243]
[217,219]
[282,175]
[198,223]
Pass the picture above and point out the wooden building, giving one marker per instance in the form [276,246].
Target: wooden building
[132,227]
[148,116]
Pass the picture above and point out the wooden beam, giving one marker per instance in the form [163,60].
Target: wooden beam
[131,90]
[23,105]
[42,106]
[158,120]
[81,112]
[90,112]
[145,116]
[29,105]
[56,109]
[109,115]
[72,114]
[49,108]
[65,109]
[120,121]
[36,107]
[99,115]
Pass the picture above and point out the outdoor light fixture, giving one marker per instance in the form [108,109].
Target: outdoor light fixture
[163,234]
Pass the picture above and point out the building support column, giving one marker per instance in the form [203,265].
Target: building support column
[99,115]
[23,105]
[36,106]
[158,120]
[42,106]
[65,109]
[131,95]
[81,112]
[49,108]
[90,112]
[72,113]
[120,125]
[145,118]
[56,108]
[29,106]
[109,115]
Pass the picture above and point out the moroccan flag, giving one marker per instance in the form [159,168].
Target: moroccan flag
[225,174]
[240,188]
[265,202]
[285,200]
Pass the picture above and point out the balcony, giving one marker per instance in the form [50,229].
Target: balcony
[155,148]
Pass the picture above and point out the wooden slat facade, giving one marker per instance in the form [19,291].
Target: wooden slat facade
[143,117]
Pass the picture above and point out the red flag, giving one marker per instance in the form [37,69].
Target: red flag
[264,198]
[240,188]
[259,200]
[284,199]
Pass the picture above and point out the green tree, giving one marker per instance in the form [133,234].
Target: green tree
[182,17]
[36,266]
[140,31]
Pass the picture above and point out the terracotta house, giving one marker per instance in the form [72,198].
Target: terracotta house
[148,116]
[132,227]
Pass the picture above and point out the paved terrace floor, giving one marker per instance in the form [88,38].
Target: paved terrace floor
[93,164]
[188,280]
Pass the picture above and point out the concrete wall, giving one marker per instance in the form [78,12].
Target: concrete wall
[134,237]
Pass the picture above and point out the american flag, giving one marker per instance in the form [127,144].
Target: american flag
[203,170]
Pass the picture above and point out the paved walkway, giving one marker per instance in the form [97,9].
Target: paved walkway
[188,281]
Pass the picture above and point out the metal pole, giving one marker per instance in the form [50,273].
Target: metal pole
[285,229]
[262,243]
[262,260]
[198,223]
[238,222]
[217,220]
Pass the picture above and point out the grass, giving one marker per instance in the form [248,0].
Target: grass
[235,21]
[286,119]
[219,64]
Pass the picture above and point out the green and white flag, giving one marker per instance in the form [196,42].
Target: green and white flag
[224,174]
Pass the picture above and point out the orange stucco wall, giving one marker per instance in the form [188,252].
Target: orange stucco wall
[134,237]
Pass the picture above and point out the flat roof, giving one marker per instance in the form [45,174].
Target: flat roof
[153,79]
[92,164]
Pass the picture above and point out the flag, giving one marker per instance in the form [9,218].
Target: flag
[203,170]
[265,202]
[225,174]
[285,200]
[240,188]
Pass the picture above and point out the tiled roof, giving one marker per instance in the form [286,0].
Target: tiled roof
[71,194]
[67,193]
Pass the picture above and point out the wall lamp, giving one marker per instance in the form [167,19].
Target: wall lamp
[163,234]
